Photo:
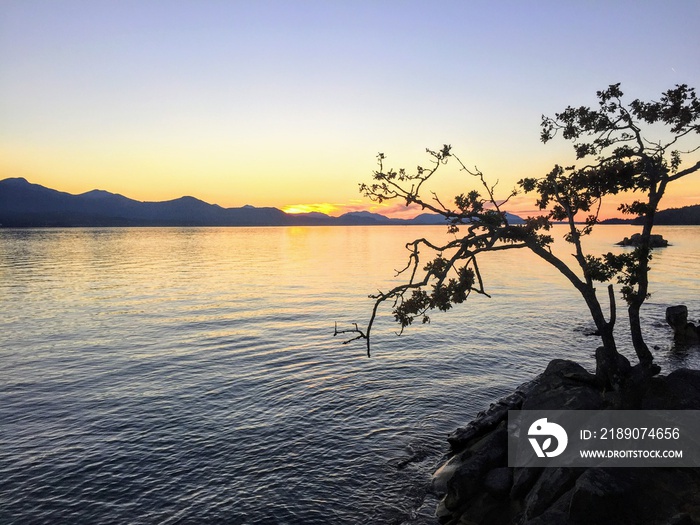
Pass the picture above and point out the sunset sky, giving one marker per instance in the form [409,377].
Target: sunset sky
[287,103]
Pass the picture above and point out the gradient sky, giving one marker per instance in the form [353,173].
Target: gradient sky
[287,103]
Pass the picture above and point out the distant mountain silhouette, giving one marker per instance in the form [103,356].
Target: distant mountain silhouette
[679,216]
[367,218]
[434,218]
[687,215]
[26,204]
[23,204]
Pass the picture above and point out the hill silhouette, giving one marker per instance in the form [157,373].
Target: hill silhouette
[687,215]
[23,204]
[678,216]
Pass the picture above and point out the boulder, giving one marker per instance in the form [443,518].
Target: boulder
[466,480]
[684,333]
[680,390]
[598,497]
[557,513]
[677,316]
[565,385]
[550,486]
[499,481]
[524,478]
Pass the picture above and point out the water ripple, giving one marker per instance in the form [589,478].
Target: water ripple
[189,375]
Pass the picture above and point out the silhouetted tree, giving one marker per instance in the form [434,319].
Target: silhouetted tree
[615,156]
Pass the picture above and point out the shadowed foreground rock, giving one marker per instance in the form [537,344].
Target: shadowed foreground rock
[477,486]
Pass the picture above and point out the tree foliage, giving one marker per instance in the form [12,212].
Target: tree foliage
[614,155]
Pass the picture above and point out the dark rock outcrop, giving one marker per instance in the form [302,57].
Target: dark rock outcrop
[478,486]
[684,333]
[655,241]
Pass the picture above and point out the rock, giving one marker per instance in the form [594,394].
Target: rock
[550,486]
[677,316]
[443,475]
[680,390]
[655,241]
[565,385]
[569,370]
[499,481]
[487,420]
[489,453]
[558,513]
[636,495]
[598,497]
[479,487]
[684,333]
[688,336]
[485,509]
[622,366]
[681,519]
[524,478]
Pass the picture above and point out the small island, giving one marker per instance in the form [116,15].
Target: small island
[655,241]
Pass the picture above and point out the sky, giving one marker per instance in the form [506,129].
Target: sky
[287,103]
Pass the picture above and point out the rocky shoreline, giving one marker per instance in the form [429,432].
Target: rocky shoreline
[476,486]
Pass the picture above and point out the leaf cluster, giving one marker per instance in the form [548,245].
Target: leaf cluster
[618,159]
[442,296]
[627,266]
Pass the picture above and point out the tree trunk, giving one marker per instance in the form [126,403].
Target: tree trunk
[640,347]
[611,367]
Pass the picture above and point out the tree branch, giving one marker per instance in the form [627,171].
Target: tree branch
[692,169]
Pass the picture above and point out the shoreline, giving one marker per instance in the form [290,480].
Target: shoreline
[476,485]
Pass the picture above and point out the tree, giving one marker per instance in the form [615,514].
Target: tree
[615,156]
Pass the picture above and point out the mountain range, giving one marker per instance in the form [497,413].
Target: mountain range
[23,204]
[687,215]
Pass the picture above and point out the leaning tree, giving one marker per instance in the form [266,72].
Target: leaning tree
[615,154]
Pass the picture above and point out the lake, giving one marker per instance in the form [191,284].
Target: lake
[175,375]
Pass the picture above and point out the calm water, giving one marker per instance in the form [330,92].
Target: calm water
[190,375]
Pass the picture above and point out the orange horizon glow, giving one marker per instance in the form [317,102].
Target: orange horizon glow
[522,208]
[686,193]
[324,207]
